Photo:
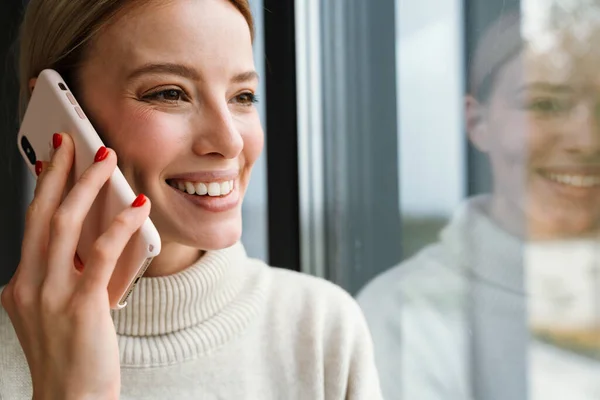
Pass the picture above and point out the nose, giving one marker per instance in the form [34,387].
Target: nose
[585,135]
[216,133]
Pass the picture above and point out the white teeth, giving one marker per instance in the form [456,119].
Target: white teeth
[575,180]
[225,187]
[214,189]
[201,189]
[189,187]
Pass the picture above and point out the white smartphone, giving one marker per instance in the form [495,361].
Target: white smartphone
[54,109]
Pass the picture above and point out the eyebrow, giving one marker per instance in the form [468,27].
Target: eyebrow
[549,87]
[186,72]
[168,68]
[247,76]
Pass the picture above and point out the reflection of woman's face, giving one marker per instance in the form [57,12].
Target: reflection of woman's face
[543,132]
[171,86]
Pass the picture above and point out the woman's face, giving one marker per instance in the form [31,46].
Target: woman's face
[170,87]
[542,133]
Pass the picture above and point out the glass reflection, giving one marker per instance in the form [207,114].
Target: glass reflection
[505,305]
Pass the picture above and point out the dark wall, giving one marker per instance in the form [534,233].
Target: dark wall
[12,171]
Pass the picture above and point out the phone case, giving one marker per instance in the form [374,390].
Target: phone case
[53,108]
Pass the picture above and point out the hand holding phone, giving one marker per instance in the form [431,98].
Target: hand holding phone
[53,108]
[61,315]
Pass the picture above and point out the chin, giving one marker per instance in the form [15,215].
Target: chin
[565,226]
[213,235]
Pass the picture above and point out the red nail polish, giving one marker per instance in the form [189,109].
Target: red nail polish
[38,167]
[101,154]
[139,201]
[56,140]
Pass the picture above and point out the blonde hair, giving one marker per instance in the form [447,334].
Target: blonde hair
[498,45]
[56,34]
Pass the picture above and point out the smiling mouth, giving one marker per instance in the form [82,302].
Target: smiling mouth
[203,189]
[574,180]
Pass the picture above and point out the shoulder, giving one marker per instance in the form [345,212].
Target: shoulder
[432,275]
[304,306]
[324,324]
[15,381]
[414,313]
[310,295]
[412,300]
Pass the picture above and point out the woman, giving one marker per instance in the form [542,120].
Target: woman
[455,321]
[170,86]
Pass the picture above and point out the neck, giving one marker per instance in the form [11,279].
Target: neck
[508,216]
[173,258]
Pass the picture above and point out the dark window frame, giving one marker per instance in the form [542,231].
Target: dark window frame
[282,134]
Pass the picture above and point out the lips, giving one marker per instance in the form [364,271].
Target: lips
[214,191]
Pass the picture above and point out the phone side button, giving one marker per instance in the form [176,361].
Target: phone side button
[71,98]
[80,113]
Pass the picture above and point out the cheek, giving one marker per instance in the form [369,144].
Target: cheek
[509,136]
[253,137]
[148,140]
[543,139]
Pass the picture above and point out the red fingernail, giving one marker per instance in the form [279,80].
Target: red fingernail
[101,154]
[56,140]
[139,201]
[38,167]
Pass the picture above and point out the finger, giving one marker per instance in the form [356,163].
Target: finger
[109,246]
[47,198]
[53,175]
[30,233]
[78,263]
[67,222]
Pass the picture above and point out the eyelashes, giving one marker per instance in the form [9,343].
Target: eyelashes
[166,95]
[549,106]
[247,98]
[175,96]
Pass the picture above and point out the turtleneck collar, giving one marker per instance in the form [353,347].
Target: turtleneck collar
[167,304]
[482,248]
[174,318]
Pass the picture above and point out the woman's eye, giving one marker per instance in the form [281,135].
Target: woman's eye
[246,99]
[549,106]
[168,95]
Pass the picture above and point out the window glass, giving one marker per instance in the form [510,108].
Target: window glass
[473,246]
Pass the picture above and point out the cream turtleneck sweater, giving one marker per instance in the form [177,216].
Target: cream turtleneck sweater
[230,327]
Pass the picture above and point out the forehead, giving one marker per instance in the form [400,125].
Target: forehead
[570,56]
[562,63]
[207,34]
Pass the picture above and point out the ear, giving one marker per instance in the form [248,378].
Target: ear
[32,82]
[476,124]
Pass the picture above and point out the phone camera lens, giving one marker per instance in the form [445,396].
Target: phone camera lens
[28,149]
[62,86]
